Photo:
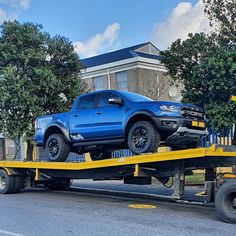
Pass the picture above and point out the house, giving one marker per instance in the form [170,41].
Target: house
[136,69]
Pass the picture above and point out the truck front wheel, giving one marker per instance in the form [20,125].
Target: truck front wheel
[56,148]
[143,138]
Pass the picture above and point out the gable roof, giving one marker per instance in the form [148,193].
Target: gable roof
[119,55]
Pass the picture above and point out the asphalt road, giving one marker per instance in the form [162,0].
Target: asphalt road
[42,212]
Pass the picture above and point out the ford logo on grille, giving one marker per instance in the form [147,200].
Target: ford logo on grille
[194,113]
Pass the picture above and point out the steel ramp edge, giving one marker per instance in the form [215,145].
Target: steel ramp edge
[213,151]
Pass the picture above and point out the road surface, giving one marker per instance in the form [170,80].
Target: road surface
[44,212]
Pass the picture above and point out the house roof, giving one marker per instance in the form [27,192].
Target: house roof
[118,55]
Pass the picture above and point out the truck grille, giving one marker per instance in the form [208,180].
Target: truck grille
[192,113]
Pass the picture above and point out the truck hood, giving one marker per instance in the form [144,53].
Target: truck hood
[167,103]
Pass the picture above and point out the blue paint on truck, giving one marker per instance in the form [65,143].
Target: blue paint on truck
[102,120]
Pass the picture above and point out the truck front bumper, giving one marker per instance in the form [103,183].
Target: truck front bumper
[184,136]
[177,131]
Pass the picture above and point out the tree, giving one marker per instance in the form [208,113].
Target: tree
[222,15]
[206,65]
[155,87]
[39,75]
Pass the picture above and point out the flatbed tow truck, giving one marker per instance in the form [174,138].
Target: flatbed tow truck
[221,190]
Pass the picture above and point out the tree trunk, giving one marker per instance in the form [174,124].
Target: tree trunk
[29,152]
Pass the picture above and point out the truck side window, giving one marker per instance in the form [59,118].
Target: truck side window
[87,102]
[104,97]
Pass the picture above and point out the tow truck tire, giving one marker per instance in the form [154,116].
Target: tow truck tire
[225,201]
[57,149]
[6,182]
[18,184]
[97,155]
[143,138]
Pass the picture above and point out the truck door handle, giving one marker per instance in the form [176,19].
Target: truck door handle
[98,113]
[76,115]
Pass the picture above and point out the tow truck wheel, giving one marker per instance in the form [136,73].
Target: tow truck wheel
[18,184]
[97,155]
[6,182]
[57,149]
[143,138]
[225,201]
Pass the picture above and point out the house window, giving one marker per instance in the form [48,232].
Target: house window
[98,83]
[122,83]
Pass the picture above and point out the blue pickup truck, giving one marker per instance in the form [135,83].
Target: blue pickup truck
[104,121]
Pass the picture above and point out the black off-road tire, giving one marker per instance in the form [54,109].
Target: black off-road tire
[6,182]
[149,132]
[62,148]
[97,155]
[225,201]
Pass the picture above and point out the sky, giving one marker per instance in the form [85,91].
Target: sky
[100,26]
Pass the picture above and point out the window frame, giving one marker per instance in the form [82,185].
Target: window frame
[102,81]
[111,105]
[122,82]
[87,95]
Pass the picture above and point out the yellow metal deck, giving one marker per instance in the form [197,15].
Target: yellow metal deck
[140,159]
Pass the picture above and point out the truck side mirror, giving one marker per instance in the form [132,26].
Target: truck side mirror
[116,101]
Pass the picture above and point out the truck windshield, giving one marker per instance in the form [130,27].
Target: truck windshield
[134,97]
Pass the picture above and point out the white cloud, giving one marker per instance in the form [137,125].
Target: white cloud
[24,4]
[16,5]
[99,42]
[4,15]
[184,19]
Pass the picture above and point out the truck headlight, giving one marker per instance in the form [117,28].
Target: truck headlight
[171,108]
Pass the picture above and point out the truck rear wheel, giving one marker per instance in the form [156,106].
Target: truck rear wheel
[143,138]
[225,201]
[57,149]
[97,155]
[6,182]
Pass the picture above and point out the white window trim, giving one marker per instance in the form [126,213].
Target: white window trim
[123,67]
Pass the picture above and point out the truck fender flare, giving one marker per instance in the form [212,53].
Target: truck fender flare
[140,112]
[62,128]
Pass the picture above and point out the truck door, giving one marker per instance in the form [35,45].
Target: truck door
[82,118]
[108,122]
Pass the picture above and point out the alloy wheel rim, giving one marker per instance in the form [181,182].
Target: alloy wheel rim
[98,155]
[53,147]
[231,202]
[140,138]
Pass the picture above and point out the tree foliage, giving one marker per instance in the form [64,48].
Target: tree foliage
[39,75]
[222,15]
[206,65]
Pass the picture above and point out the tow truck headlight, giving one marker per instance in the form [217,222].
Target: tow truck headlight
[171,108]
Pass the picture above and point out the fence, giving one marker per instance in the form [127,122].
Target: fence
[223,137]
